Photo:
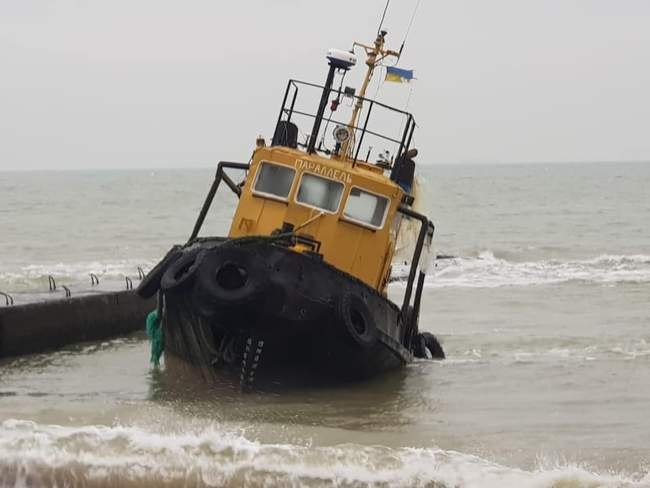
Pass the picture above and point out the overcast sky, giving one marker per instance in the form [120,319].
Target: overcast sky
[156,83]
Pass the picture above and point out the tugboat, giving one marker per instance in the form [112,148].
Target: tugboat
[299,284]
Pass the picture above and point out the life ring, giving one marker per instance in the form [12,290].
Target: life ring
[180,274]
[231,277]
[150,284]
[357,319]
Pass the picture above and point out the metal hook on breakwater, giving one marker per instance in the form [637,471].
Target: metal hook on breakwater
[141,273]
[52,285]
[129,283]
[9,300]
[94,280]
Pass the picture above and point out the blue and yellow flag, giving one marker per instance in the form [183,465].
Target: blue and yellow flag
[398,75]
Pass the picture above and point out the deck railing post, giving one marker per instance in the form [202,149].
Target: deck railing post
[321,109]
[293,102]
[426,227]
[220,175]
[284,101]
[363,131]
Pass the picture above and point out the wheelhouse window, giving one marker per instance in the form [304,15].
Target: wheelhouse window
[366,208]
[274,180]
[321,193]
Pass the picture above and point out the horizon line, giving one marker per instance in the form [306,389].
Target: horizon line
[192,167]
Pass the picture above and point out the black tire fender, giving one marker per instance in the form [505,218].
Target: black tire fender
[358,319]
[433,345]
[181,273]
[251,270]
[150,284]
[427,342]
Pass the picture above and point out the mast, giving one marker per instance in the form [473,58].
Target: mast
[321,108]
[376,54]
[338,60]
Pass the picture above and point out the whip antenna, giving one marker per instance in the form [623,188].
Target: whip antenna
[381,23]
[408,29]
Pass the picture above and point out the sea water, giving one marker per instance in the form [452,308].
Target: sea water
[543,310]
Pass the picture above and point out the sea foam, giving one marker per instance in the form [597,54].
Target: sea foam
[96,455]
[487,271]
[484,270]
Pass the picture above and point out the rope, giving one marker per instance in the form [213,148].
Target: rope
[154,332]
[401,49]
[380,82]
[308,221]
[406,108]
[408,30]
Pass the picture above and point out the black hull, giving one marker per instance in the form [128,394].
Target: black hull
[264,312]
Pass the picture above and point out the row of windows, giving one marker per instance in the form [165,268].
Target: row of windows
[321,193]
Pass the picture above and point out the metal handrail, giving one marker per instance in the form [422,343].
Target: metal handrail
[295,82]
[356,127]
[426,228]
[218,178]
[406,137]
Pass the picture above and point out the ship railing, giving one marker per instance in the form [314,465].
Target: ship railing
[425,236]
[219,177]
[288,110]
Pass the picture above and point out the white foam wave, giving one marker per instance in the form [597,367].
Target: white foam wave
[482,271]
[488,271]
[37,454]
[639,350]
[34,276]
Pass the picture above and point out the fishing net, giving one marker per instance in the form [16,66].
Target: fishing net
[155,334]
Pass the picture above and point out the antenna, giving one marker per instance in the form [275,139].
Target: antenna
[381,23]
[408,29]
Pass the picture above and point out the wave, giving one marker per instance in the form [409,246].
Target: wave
[619,350]
[488,271]
[481,271]
[35,454]
[35,276]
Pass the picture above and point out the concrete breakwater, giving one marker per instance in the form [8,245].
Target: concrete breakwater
[47,325]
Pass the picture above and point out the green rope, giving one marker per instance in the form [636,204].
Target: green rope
[154,332]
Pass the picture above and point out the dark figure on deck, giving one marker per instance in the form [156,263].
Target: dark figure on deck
[404,169]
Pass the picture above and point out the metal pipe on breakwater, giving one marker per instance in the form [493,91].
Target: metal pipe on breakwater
[43,326]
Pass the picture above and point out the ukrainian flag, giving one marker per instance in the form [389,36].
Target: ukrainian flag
[398,75]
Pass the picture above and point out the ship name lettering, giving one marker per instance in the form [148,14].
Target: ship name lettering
[335,174]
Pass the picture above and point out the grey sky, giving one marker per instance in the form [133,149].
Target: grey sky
[177,84]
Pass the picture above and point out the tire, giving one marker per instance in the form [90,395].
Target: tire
[433,345]
[419,347]
[358,320]
[181,273]
[150,284]
[231,277]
